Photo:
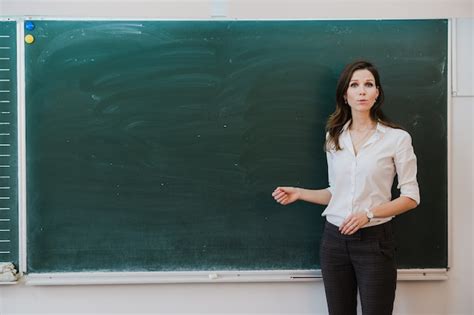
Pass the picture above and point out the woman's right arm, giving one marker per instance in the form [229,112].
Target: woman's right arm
[287,195]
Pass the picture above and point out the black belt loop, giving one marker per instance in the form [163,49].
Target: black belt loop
[388,230]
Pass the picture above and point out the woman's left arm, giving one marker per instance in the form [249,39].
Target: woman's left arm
[395,207]
[392,208]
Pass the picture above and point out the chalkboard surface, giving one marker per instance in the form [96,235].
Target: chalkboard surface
[155,145]
[8,144]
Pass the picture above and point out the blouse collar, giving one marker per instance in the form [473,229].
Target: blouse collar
[346,138]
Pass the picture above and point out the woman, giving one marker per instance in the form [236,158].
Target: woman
[364,152]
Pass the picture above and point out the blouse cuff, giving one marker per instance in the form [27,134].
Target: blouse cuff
[412,193]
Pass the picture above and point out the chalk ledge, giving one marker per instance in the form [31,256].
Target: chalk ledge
[91,278]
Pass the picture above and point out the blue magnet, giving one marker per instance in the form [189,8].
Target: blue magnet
[29,26]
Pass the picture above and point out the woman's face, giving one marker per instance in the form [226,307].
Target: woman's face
[362,91]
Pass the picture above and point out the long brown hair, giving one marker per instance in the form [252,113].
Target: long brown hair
[343,114]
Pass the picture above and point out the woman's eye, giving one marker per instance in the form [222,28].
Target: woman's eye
[353,85]
[369,84]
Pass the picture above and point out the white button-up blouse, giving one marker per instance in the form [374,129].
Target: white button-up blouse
[363,181]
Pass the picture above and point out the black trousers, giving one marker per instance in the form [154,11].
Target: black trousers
[363,261]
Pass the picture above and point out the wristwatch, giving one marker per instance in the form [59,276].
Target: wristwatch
[370,214]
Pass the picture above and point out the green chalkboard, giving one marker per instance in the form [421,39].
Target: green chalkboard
[155,145]
[8,144]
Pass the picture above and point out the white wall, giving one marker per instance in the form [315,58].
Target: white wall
[249,9]
[453,296]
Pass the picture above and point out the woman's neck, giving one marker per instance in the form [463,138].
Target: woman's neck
[362,122]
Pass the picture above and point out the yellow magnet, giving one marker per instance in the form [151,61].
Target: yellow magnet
[29,39]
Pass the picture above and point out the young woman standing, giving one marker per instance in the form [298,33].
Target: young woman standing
[364,152]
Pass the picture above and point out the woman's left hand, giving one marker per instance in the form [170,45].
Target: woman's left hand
[353,223]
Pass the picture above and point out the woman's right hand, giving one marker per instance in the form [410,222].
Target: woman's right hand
[286,195]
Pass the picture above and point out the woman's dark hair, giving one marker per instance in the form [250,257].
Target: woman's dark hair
[343,114]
